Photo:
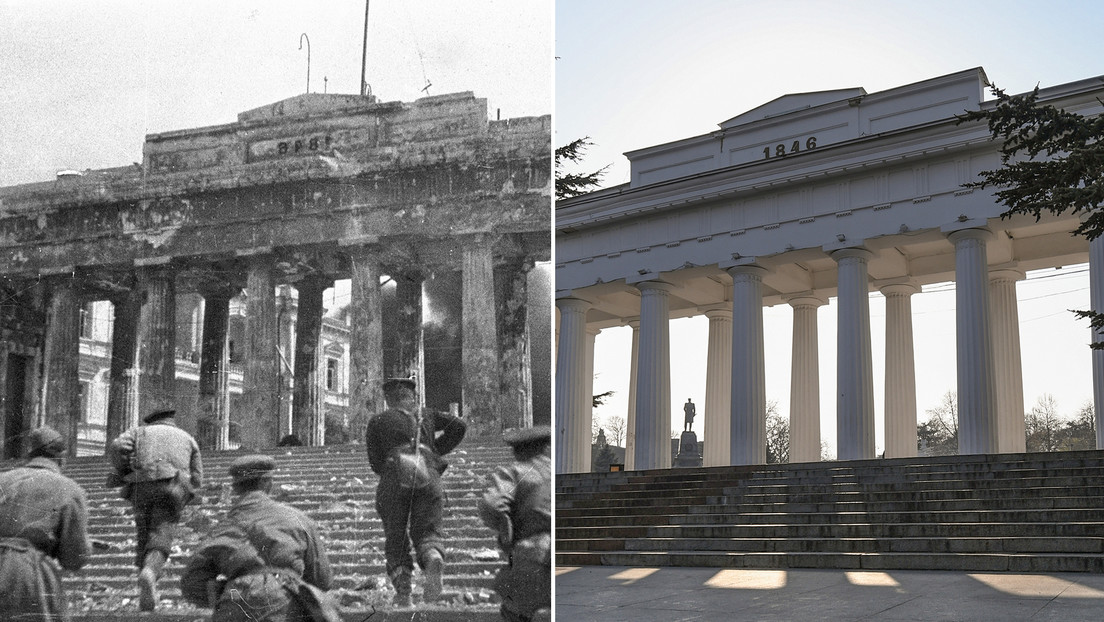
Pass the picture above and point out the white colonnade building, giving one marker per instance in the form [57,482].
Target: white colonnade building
[810,196]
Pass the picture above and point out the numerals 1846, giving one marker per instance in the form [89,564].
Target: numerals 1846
[780,149]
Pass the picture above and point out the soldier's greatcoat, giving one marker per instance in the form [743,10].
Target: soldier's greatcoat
[43,524]
[518,506]
[264,548]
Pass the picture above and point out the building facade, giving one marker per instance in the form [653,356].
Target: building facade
[810,196]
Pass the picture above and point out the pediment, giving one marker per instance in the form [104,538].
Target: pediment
[793,102]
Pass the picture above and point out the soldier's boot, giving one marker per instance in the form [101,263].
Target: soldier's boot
[434,568]
[400,579]
[147,580]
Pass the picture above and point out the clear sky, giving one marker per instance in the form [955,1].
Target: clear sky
[637,73]
[82,83]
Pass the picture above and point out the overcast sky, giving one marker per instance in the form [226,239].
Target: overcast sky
[82,83]
[636,73]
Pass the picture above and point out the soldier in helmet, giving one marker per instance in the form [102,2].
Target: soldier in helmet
[269,555]
[43,524]
[405,445]
[517,505]
[159,467]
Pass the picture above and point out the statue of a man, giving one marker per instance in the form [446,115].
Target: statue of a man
[689,410]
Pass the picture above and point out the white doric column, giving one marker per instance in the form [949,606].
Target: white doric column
[1008,365]
[977,421]
[653,387]
[572,401]
[805,381]
[718,389]
[630,416]
[591,334]
[855,379]
[1096,303]
[748,432]
[900,372]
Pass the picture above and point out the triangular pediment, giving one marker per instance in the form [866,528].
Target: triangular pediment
[793,102]
[308,104]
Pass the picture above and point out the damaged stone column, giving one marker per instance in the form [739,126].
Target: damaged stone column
[213,403]
[411,334]
[365,338]
[260,417]
[157,343]
[516,388]
[308,412]
[122,398]
[61,383]
[480,344]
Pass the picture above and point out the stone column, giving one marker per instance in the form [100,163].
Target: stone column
[61,381]
[157,345]
[900,372]
[630,415]
[287,312]
[748,434]
[515,366]
[717,431]
[977,416]
[591,335]
[213,402]
[122,398]
[365,339]
[260,419]
[805,381]
[410,343]
[480,344]
[653,387]
[307,413]
[1007,362]
[854,364]
[1096,303]
[572,440]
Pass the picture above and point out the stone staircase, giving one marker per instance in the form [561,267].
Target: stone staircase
[1009,512]
[335,486]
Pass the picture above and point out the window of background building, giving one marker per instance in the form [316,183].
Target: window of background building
[84,390]
[331,374]
[86,319]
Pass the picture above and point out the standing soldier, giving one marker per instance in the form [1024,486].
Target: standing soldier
[43,514]
[404,448]
[159,467]
[268,554]
[518,506]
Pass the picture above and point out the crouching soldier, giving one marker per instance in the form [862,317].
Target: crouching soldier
[518,506]
[43,524]
[159,467]
[269,555]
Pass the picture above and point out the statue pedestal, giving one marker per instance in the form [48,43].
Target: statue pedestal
[689,454]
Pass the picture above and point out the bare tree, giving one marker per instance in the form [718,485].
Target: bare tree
[1044,425]
[778,435]
[615,426]
[938,436]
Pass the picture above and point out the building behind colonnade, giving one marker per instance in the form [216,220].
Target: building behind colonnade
[211,259]
[808,197]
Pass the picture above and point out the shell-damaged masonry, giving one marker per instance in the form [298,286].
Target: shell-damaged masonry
[300,193]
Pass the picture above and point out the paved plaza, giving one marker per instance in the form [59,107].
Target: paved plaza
[616,593]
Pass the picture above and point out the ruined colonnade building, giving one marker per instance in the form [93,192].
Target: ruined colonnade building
[810,196]
[298,194]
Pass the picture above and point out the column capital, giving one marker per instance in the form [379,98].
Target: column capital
[647,286]
[980,234]
[591,330]
[631,322]
[857,252]
[1006,274]
[573,305]
[747,271]
[906,288]
[721,314]
[804,299]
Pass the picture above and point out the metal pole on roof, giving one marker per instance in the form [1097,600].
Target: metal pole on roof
[364,53]
[301,37]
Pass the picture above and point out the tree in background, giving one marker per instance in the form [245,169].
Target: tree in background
[616,425]
[1044,425]
[1052,161]
[1080,434]
[938,436]
[778,435]
[573,184]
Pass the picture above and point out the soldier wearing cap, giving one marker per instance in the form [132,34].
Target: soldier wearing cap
[405,445]
[159,467]
[517,505]
[43,524]
[268,553]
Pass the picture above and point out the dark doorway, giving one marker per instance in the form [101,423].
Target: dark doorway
[15,393]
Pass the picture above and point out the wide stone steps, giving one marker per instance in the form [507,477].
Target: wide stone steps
[1027,512]
[334,486]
